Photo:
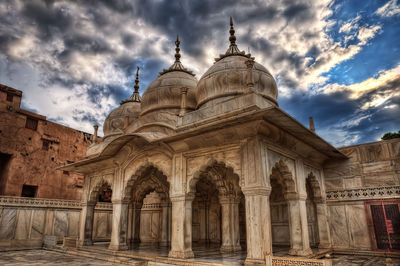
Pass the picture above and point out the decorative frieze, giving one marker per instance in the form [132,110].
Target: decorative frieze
[291,261]
[366,193]
[8,201]
[39,203]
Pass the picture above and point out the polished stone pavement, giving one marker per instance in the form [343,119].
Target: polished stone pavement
[47,257]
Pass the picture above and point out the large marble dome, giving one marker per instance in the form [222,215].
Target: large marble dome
[165,93]
[234,73]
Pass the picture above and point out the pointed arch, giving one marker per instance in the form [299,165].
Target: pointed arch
[222,176]
[146,179]
[281,174]
[94,192]
[315,187]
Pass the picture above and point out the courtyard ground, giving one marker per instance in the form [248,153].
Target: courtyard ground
[47,257]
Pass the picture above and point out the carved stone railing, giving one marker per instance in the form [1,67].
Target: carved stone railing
[105,206]
[9,201]
[292,261]
[39,203]
[363,193]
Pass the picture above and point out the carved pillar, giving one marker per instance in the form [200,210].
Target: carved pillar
[298,226]
[181,235]
[86,224]
[323,227]
[164,224]
[258,225]
[230,224]
[136,222]
[119,226]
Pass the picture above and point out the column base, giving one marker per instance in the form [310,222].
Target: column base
[181,254]
[164,243]
[303,253]
[86,242]
[324,246]
[251,262]
[227,249]
[118,247]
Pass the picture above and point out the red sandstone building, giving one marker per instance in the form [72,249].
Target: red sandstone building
[31,148]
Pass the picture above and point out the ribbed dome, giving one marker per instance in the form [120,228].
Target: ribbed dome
[115,121]
[125,114]
[234,73]
[166,92]
[230,76]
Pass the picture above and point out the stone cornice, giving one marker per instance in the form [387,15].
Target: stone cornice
[367,193]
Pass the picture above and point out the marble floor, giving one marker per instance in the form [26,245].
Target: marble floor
[45,257]
[203,254]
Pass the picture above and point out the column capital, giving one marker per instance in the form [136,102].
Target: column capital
[183,197]
[119,201]
[253,191]
[229,200]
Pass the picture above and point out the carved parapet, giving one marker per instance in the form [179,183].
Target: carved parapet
[363,193]
[290,261]
[39,203]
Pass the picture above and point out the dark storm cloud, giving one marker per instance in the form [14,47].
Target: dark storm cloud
[336,111]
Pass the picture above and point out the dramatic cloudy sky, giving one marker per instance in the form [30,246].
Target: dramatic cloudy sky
[336,61]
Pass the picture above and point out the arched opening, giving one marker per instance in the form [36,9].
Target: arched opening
[98,219]
[282,187]
[216,208]
[149,215]
[313,197]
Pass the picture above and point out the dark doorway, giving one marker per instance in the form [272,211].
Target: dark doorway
[386,224]
[29,191]
[4,163]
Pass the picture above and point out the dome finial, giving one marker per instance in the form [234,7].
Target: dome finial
[177,65]
[137,81]
[177,49]
[232,38]
[233,49]
[135,97]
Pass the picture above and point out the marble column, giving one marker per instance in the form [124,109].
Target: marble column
[164,224]
[119,226]
[181,233]
[323,227]
[258,225]
[298,226]
[230,224]
[86,224]
[136,222]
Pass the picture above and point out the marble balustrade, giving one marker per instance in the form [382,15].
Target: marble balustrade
[25,221]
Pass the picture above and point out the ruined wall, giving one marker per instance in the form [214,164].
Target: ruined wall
[30,156]
[372,173]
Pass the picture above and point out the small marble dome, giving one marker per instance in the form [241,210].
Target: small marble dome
[235,73]
[125,114]
[165,93]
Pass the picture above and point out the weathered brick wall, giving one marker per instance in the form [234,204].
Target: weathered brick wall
[30,163]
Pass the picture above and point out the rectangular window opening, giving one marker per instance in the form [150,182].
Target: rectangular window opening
[9,97]
[31,123]
[45,145]
[29,191]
